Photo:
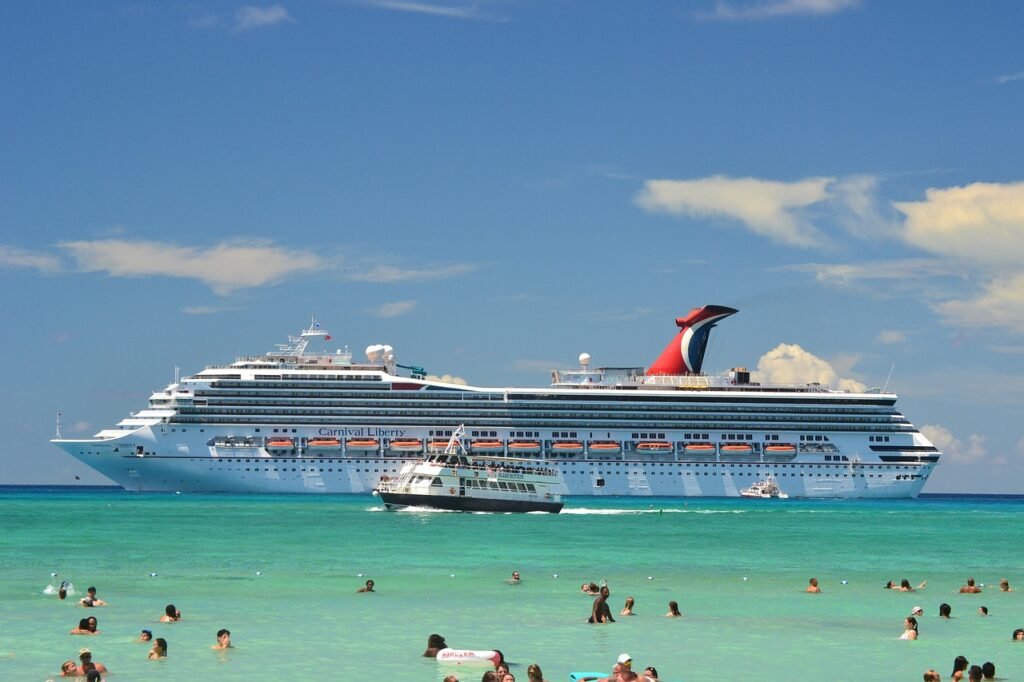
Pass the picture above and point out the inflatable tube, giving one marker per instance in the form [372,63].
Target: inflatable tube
[466,656]
[575,677]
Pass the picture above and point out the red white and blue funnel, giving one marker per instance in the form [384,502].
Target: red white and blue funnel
[685,353]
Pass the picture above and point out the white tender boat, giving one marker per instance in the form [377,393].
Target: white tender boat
[455,481]
[764,489]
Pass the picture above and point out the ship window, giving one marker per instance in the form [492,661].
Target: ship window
[436,482]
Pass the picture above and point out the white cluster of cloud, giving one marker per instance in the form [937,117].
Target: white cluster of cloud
[395,309]
[982,222]
[972,233]
[769,9]
[791,364]
[224,268]
[952,447]
[448,379]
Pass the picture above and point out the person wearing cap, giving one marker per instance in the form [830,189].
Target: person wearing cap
[626,674]
[917,611]
[515,579]
[85,656]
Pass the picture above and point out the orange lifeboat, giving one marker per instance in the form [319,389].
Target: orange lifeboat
[607,447]
[524,446]
[737,449]
[780,449]
[323,444]
[487,446]
[406,445]
[699,448]
[567,447]
[280,444]
[654,446]
[362,444]
[438,444]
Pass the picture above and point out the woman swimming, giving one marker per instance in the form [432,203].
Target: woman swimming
[627,610]
[909,628]
[159,649]
[86,626]
[171,614]
[673,610]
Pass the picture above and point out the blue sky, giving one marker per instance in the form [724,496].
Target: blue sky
[494,187]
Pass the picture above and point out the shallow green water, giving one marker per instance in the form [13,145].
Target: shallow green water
[281,573]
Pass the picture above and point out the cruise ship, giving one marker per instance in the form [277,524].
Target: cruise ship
[303,420]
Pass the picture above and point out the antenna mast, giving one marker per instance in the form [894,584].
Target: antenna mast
[891,369]
[58,426]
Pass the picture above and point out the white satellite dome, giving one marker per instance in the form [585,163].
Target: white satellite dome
[389,352]
[375,352]
[585,359]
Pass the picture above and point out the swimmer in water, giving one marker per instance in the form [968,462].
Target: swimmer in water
[368,587]
[146,636]
[673,610]
[515,579]
[223,639]
[909,628]
[159,649]
[171,614]
[627,610]
[434,644]
[812,586]
[83,628]
[90,598]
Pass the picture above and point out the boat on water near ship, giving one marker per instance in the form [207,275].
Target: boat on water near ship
[456,481]
[764,489]
[298,420]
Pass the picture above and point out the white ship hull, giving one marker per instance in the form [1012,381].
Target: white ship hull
[175,462]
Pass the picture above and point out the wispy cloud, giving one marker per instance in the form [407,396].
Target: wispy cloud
[13,257]
[393,273]
[848,273]
[205,309]
[225,267]
[395,309]
[770,9]
[1010,77]
[891,336]
[536,365]
[249,17]
[781,211]
[452,11]
[617,316]
[1000,303]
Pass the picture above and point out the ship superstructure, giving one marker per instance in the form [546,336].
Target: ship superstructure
[296,420]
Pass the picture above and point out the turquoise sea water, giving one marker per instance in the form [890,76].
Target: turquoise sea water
[738,569]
